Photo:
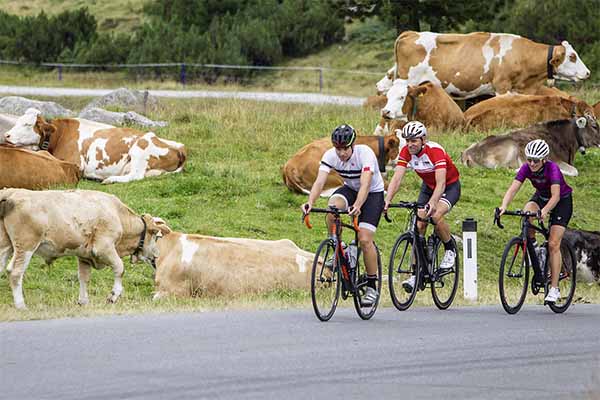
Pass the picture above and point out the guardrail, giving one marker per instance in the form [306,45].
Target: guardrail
[183,68]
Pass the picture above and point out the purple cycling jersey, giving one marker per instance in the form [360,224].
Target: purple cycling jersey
[547,176]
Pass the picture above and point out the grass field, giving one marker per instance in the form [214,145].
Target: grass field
[232,187]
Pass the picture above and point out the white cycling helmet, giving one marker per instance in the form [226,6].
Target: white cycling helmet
[537,149]
[413,130]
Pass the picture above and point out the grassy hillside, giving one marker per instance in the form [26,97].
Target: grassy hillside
[232,186]
[120,16]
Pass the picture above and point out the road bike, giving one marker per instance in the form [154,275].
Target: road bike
[413,256]
[336,271]
[517,259]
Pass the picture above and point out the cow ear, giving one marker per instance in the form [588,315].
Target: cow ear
[558,56]
[48,130]
[421,90]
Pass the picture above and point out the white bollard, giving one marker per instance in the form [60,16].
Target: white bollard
[469,229]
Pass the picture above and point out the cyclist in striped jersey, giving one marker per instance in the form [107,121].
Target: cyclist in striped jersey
[361,195]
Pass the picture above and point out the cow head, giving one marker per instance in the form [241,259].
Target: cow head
[587,132]
[30,130]
[391,146]
[396,98]
[385,83]
[567,65]
[148,252]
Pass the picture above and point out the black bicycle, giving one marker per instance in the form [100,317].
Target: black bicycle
[335,272]
[413,257]
[518,258]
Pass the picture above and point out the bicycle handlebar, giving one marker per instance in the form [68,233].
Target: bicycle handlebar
[517,213]
[411,205]
[329,210]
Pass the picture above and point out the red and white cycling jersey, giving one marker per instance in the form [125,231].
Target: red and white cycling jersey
[432,157]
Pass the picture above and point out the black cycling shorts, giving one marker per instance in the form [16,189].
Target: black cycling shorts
[561,213]
[370,212]
[450,196]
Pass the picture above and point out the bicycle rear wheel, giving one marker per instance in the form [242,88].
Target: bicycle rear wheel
[403,265]
[325,281]
[567,280]
[444,287]
[514,275]
[360,277]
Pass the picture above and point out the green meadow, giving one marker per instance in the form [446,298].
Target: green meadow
[232,187]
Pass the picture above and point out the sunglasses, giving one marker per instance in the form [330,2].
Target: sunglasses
[533,160]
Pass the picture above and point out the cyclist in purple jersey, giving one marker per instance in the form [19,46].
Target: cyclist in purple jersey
[552,197]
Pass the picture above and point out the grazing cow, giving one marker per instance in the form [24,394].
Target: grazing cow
[469,65]
[103,152]
[192,265]
[93,226]
[425,102]
[587,251]
[565,137]
[300,172]
[518,110]
[34,169]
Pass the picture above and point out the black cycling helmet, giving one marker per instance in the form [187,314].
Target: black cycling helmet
[343,136]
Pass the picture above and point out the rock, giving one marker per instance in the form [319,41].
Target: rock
[126,99]
[16,105]
[118,118]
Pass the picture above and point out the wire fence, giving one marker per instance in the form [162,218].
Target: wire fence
[186,72]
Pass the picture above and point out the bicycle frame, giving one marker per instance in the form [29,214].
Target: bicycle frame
[339,257]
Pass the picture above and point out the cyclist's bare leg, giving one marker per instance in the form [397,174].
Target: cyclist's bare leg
[533,207]
[340,203]
[442,228]
[365,239]
[556,235]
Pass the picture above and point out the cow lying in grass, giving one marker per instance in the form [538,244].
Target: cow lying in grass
[565,137]
[198,265]
[587,251]
[95,227]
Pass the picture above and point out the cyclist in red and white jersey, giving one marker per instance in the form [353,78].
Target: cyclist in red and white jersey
[440,189]
[361,195]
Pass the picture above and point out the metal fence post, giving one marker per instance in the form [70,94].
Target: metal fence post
[320,80]
[182,74]
[60,72]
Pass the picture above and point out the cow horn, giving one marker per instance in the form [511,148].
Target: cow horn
[581,122]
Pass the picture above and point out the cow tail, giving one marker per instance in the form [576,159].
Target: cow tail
[6,206]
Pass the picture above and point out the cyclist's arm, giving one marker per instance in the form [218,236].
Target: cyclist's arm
[395,183]
[510,194]
[440,186]
[317,187]
[365,185]
[554,199]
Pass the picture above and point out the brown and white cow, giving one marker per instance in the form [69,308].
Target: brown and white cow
[587,251]
[429,104]
[103,152]
[7,121]
[191,265]
[565,137]
[95,227]
[22,168]
[596,108]
[469,65]
[385,83]
[300,171]
[518,110]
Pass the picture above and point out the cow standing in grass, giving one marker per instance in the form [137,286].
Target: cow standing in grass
[95,227]
[102,151]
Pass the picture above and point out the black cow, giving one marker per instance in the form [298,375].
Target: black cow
[587,251]
[565,137]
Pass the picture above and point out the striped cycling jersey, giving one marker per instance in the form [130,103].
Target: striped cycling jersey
[363,159]
[432,157]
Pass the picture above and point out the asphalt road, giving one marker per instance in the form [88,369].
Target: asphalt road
[423,353]
[311,98]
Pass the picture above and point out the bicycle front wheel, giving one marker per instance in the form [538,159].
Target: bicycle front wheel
[325,281]
[567,279]
[514,275]
[445,284]
[403,272]
[360,281]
